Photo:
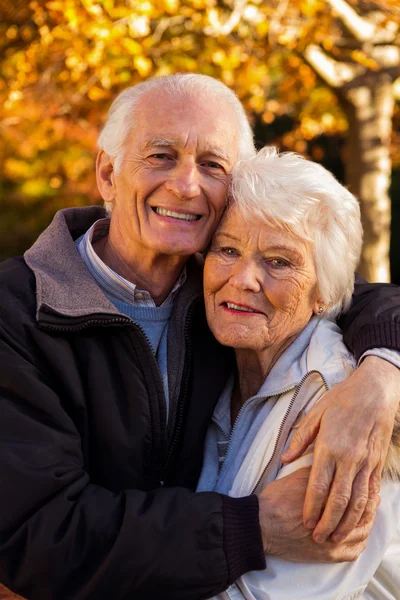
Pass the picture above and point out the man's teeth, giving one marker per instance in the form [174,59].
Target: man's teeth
[236,307]
[170,213]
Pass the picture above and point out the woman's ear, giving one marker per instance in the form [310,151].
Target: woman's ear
[319,307]
[105,176]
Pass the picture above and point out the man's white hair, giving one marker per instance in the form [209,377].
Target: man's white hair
[290,192]
[121,116]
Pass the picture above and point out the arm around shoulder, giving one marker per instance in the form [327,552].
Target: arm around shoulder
[373,319]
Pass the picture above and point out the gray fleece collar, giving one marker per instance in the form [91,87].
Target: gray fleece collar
[63,283]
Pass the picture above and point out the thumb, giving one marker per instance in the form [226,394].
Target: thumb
[303,437]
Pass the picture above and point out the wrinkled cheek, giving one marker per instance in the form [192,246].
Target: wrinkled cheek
[288,300]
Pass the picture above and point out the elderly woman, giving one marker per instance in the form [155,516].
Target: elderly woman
[279,268]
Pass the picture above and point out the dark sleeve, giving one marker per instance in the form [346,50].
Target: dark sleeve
[63,537]
[373,319]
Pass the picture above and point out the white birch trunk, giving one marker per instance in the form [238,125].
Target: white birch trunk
[369,109]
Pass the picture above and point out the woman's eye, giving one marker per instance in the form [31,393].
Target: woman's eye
[279,263]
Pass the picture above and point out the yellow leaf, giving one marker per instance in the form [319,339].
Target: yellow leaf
[143,65]
[96,93]
[139,26]
[132,46]
[57,6]
[262,28]
[35,187]
[17,168]
[171,6]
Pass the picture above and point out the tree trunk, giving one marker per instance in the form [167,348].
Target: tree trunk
[369,108]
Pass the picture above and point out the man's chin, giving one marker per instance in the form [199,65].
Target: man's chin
[179,249]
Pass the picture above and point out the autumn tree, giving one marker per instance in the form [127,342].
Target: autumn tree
[354,48]
[328,63]
[359,59]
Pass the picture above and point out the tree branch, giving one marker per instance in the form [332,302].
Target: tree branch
[274,24]
[386,56]
[165,24]
[364,29]
[217,28]
[334,73]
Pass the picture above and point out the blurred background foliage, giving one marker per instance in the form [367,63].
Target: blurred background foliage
[294,64]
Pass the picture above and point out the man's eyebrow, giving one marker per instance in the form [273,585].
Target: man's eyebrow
[160,142]
[217,152]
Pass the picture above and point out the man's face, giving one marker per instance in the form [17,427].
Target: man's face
[171,190]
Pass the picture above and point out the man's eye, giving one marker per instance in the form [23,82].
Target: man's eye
[229,251]
[161,156]
[212,165]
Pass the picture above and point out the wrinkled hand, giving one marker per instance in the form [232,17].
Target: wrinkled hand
[283,532]
[352,425]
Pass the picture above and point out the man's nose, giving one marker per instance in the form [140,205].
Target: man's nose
[246,276]
[184,180]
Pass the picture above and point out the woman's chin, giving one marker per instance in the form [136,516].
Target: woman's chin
[239,341]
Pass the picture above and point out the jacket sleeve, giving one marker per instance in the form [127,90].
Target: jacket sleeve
[342,581]
[64,537]
[373,319]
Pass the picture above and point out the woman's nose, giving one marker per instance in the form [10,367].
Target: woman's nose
[184,181]
[246,276]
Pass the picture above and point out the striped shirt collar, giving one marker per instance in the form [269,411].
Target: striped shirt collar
[112,284]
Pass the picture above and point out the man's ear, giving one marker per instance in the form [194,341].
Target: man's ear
[105,176]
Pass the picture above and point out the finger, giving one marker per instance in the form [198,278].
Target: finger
[370,510]
[375,481]
[360,534]
[322,472]
[356,507]
[350,552]
[304,436]
[374,498]
[336,505]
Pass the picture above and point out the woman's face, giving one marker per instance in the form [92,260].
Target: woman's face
[260,284]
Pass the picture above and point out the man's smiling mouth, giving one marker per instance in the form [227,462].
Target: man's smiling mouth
[170,213]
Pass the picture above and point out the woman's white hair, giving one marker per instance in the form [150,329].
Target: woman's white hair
[298,195]
[121,116]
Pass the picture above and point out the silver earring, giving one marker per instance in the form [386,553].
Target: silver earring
[320,310]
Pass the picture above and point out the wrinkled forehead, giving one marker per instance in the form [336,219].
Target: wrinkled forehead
[183,119]
[268,231]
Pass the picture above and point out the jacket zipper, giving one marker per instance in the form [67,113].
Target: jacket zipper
[116,321]
[182,397]
[287,413]
[103,323]
[88,323]
[245,405]
[181,402]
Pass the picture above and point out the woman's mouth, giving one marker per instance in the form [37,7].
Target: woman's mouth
[236,308]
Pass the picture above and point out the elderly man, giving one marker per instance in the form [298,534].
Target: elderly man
[109,376]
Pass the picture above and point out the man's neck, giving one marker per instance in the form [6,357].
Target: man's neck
[156,274]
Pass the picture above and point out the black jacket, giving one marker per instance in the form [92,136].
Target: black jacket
[96,494]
